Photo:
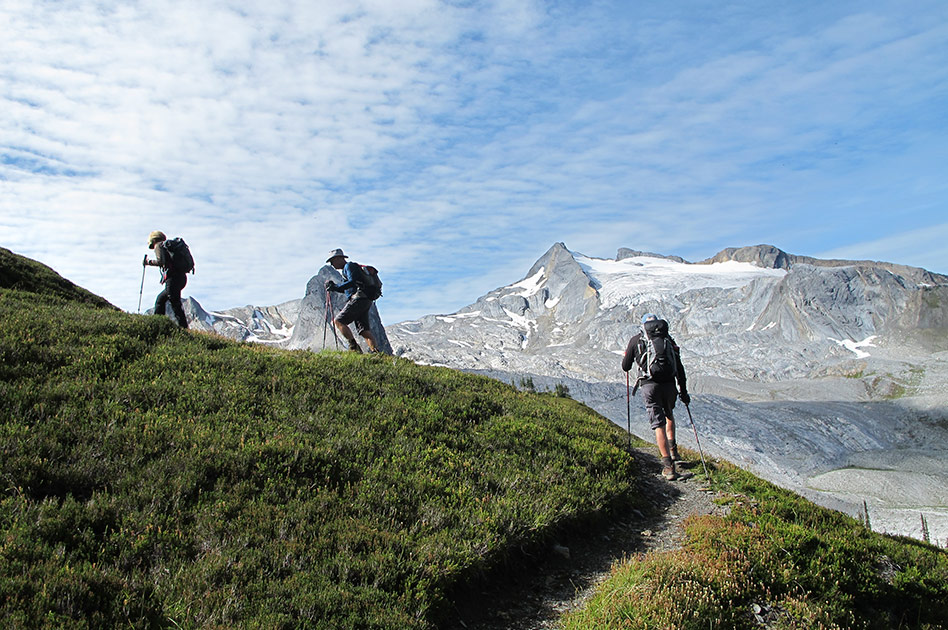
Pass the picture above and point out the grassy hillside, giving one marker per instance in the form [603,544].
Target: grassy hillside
[160,479]
[17,272]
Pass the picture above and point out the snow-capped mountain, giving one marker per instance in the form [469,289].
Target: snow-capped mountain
[572,315]
[807,371]
[261,324]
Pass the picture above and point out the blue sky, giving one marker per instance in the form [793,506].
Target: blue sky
[450,144]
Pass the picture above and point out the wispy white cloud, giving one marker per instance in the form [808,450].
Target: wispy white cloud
[451,143]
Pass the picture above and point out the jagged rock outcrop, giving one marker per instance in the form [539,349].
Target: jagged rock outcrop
[625,252]
[766,256]
[771,257]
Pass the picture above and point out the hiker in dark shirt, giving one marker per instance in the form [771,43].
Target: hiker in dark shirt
[658,385]
[173,279]
[359,301]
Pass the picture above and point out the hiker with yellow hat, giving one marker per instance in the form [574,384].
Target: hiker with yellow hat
[174,259]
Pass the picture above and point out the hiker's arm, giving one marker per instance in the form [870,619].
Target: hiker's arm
[629,359]
[349,274]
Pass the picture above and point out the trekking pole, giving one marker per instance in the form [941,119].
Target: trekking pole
[330,316]
[700,452]
[628,409]
[142,290]
[325,323]
[325,317]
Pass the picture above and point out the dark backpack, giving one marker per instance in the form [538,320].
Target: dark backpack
[371,285]
[179,254]
[657,357]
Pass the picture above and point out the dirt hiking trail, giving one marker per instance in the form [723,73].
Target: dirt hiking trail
[534,597]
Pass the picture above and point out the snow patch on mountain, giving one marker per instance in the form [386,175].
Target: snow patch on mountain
[630,281]
[856,346]
[260,328]
[457,316]
[530,285]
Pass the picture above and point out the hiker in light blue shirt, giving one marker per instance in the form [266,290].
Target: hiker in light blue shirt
[359,301]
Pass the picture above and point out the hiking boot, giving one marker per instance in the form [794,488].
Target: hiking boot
[669,473]
[674,455]
[354,346]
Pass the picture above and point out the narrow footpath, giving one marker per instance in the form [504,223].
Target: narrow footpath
[536,596]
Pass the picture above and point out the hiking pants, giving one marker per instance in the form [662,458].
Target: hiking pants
[659,401]
[174,283]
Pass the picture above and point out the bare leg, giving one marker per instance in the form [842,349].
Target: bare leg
[661,439]
[370,340]
[346,332]
[668,463]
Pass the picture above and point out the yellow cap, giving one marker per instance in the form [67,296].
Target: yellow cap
[156,237]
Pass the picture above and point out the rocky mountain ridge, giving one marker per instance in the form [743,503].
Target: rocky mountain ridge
[772,257]
[571,315]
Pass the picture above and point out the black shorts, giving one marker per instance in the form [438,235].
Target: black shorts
[659,401]
[356,311]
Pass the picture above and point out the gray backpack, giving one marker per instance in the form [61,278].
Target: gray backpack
[657,359]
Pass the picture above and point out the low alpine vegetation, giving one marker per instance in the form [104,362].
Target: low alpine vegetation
[775,561]
[156,478]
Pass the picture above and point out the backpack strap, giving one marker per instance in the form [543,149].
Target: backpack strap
[644,347]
